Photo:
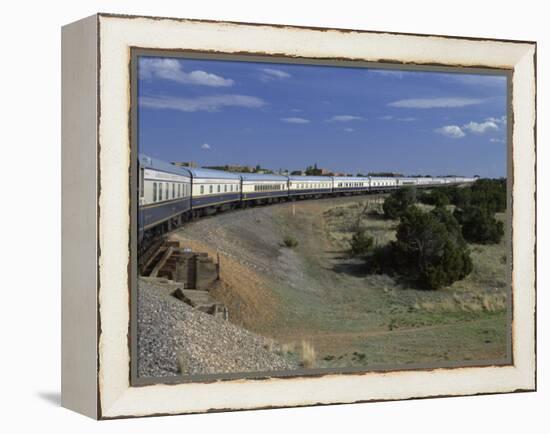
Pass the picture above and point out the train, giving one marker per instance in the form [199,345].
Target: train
[171,195]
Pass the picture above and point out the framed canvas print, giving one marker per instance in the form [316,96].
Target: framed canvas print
[262,216]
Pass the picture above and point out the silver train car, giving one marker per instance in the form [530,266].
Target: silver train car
[164,193]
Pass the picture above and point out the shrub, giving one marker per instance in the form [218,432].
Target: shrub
[489,194]
[397,202]
[479,225]
[429,250]
[361,244]
[435,197]
[462,198]
[290,242]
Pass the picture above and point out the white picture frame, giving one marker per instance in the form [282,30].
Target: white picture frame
[97,245]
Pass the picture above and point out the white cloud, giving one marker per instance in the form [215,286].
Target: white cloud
[452,131]
[272,74]
[349,130]
[477,79]
[427,103]
[499,121]
[344,118]
[171,69]
[202,103]
[205,146]
[491,124]
[393,73]
[480,128]
[295,110]
[494,140]
[389,118]
[294,120]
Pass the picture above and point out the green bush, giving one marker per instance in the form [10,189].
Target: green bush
[479,225]
[435,197]
[397,202]
[429,250]
[361,244]
[489,194]
[290,242]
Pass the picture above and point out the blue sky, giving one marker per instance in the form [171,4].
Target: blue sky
[218,112]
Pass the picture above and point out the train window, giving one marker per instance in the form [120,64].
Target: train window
[179,190]
[160,190]
[225,188]
[173,190]
[202,189]
[219,188]
[167,190]
[154,191]
[211,189]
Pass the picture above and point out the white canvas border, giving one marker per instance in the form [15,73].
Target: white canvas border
[116,36]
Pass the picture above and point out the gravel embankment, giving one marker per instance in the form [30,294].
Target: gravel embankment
[175,339]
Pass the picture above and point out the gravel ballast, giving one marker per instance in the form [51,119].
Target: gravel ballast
[175,339]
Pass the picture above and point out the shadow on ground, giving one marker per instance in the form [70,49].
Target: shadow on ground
[52,398]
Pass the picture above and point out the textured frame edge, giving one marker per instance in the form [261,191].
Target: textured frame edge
[120,400]
[79,306]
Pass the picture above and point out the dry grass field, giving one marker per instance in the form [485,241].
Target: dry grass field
[320,305]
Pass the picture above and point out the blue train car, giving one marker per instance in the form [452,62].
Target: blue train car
[263,187]
[351,184]
[303,186]
[214,189]
[383,183]
[164,193]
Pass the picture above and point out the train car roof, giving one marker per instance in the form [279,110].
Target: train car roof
[310,178]
[350,178]
[384,178]
[156,164]
[199,172]
[262,177]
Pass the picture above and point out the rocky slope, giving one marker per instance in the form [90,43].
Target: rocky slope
[175,339]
